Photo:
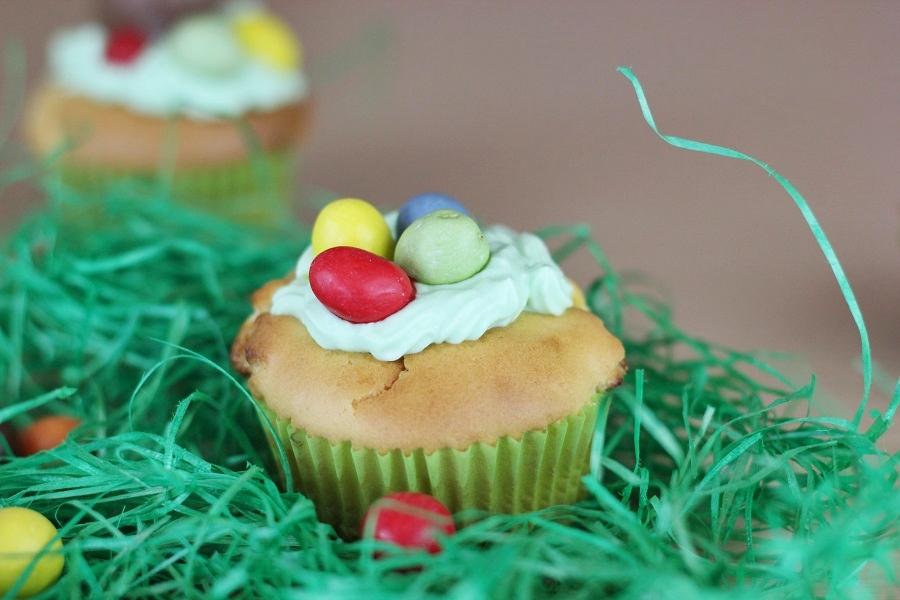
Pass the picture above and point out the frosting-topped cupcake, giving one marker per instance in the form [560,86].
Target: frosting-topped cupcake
[483,392]
[209,95]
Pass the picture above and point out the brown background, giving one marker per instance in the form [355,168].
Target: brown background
[516,108]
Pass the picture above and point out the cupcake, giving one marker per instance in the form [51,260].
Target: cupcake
[481,386]
[207,98]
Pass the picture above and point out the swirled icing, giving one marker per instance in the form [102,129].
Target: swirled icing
[520,276]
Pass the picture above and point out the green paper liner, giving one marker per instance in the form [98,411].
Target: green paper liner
[257,191]
[543,468]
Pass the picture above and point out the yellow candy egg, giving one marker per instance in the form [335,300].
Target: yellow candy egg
[269,39]
[23,534]
[578,299]
[352,222]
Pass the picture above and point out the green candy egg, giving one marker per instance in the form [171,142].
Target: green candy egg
[442,247]
[205,44]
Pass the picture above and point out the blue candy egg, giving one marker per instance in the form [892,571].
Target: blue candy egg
[425,204]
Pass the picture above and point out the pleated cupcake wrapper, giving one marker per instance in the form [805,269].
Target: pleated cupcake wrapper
[257,191]
[543,468]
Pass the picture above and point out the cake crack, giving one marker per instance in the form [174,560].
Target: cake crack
[375,394]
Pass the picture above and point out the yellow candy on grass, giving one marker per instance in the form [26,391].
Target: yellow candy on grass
[23,534]
[352,222]
[270,39]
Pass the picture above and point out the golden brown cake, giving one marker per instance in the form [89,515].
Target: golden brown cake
[513,379]
[106,136]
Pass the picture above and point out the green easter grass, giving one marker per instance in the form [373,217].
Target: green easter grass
[712,485]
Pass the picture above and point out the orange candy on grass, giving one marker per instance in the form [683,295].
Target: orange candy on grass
[45,433]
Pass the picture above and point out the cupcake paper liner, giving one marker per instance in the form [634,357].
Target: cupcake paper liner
[258,191]
[542,468]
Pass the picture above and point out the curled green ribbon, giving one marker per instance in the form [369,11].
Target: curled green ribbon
[811,220]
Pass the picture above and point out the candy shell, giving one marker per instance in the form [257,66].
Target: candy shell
[442,247]
[269,39]
[124,45]
[205,44]
[410,520]
[359,286]
[23,534]
[352,222]
[45,433]
[578,298]
[423,204]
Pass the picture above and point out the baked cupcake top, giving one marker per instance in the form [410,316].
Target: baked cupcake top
[199,59]
[520,276]
[423,333]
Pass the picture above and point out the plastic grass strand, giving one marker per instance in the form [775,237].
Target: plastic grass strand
[267,423]
[818,232]
[883,422]
[636,406]
[9,412]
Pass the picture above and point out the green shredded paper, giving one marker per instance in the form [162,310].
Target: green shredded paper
[717,476]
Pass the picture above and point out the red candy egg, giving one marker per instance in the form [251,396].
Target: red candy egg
[409,520]
[359,286]
[124,45]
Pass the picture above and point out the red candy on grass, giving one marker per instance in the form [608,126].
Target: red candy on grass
[409,520]
[359,286]
[124,45]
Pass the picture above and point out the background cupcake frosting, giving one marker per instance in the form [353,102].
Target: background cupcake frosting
[166,79]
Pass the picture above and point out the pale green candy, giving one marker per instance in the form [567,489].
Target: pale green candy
[205,44]
[442,247]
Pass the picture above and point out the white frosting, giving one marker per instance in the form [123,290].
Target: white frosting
[155,84]
[520,276]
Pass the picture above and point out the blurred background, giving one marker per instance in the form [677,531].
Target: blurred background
[515,107]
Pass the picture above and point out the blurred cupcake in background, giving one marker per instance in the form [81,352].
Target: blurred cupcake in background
[206,98]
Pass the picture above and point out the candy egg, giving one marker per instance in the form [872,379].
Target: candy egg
[205,44]
[442,247]
[45,433]
[578,298]
[23,534]
[124,45]
[423,204]
[352,222]
[409,520]
[359,286]
[269,39]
